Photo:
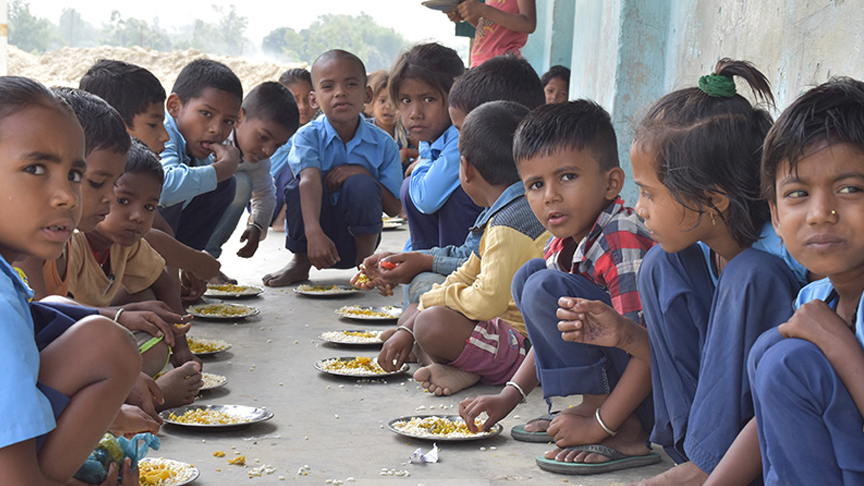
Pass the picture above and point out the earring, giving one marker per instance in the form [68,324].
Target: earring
[713,218]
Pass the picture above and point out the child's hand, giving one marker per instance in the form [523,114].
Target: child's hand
[470,11]
[410,168]
[395,351]
[145,394]
[816,322]
[570,429]
[192,288]
[369,267]
[130,477]
[204,266]
[588,321]
[132,420]
[227,160]
[454,16]
[321,250]
[496,407]
[403,267]
[159,308]
[252,236]
[336,177]
[148,322]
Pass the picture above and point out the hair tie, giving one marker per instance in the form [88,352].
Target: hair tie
[717,85]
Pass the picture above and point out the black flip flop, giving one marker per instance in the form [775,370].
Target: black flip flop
[617,461]
[519,433]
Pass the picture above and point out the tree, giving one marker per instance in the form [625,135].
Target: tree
[76,32]
[133,32]
[28,32]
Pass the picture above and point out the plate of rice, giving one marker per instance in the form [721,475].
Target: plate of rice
[355,367]
[365,313]
[212,381]
[439,428]
[158,471]
[352,338]
[206,347]
[325,290]
[210,417]
[232,291]
[222,311]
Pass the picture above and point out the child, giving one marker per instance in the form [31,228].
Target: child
[113,264]
[567,155]
[299,82]
[468,329]
[720,276]
[807,391]
[501,26]
[506,78]
[381,112]
[63,398]
[438,210]
[268,118]
[201,111]
[345,172]
[556,84]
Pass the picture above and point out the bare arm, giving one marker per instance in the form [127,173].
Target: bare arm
[19,465]
[390,203]
[524,21]
[593,322]
[742,463]
[319,248]
[178,255]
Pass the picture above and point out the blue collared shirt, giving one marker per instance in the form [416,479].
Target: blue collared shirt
[317,145]
[279,159]
[436,174]
[28,411]
[821,290]
[185,177]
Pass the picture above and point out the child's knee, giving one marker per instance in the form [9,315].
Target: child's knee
[155,358]
[790,365]
[427,325]
[110,343]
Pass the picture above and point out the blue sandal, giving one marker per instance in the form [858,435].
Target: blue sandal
[617,461]
[519,433]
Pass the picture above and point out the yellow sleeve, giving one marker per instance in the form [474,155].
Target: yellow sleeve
[143,266]
[503,250]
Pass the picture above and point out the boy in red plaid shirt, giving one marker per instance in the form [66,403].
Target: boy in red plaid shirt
[568,160]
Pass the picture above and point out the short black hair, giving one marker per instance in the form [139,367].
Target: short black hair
[273,102]
[130,89]
[504,77]
[340,54]
[142,160]
[486,140]
[431,63]
[831,113]
[296,75]
[580,124]
[200,74]
[18,93]
[556,71]
[104,129]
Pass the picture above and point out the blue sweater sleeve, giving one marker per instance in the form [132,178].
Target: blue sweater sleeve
[433,180]
[183,182]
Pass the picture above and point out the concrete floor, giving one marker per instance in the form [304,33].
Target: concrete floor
[336,426]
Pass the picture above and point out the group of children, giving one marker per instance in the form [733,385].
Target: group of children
[671,319]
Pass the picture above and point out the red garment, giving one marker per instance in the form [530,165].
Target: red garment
[491,39]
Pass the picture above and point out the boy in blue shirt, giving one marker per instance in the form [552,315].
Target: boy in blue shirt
[199,185]
[345,172]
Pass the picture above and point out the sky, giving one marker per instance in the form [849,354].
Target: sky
[408,17]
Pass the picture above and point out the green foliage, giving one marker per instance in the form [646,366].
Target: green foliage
[75,31]
[133,32]
[28,32]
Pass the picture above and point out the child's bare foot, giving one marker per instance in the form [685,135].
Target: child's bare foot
[687,474]
[443,379]
[297,270]
[541,424]
[629,440]
[180,385]
[222,279]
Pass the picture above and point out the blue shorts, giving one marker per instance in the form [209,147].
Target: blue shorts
[59,402]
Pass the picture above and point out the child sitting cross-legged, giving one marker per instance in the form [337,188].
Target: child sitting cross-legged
[567,157]
[468,328]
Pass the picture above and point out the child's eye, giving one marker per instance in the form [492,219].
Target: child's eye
[849,190]
[795,194]
[263,137]
[568,177]
[535,185]
[96,185]
[35,169]
[150,207]
[230,122]
[76,176]
[405,101]
[122,201]
[429,99]
[152,125]
[205,113]
[644,194]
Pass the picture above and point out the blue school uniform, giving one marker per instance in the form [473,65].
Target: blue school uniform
[701,327]
[281,175]
[439,212]
[810,430]
[192,201]
[353,209]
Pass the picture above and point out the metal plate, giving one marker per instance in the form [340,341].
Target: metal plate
[254,415]
[208,353]
[325,290]
[319,365]
[496,429]
[218,381]
[240,292]
[352,312]
[192,472]
[200,309]
[442,5]
[340,338]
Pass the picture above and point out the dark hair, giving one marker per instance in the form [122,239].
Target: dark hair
[340,54]
[377,81]
[205,73]
[831,113]
[274,102]
[18,93]
[704,143]
[130,89]
[142,160]
[557,71]
[103,127]
[296,75]
[580,124]
[486,140]
[430,63]
[504,77]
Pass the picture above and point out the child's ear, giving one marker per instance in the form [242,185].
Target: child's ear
[173,104]
[614,183]
[313,100]
[369,95]
[466,170]
[241,117]
[717,199]
[775,220]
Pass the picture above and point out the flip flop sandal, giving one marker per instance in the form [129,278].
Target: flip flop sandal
[617,461]
[519,433]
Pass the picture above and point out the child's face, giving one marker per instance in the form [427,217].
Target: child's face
[40,182]
[340,90]
[301,92]
[383,110]
[206,120]
[819,210]
[567,190]
[423,110]
[556,91]
[258,138]
[133,208]
[670,223]
[149,127]
[97,192]
[457,116]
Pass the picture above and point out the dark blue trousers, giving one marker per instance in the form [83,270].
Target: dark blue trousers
[700,336]
[357,212]
[194,225]
[281,180]
[447,226]
[810,431]
[567,368]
